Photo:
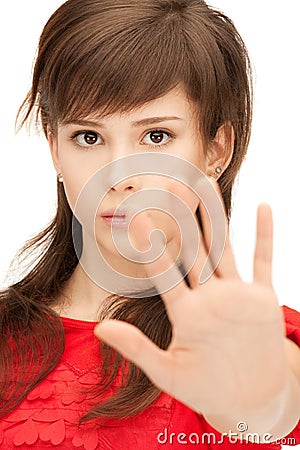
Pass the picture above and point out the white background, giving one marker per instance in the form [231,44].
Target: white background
[270,173]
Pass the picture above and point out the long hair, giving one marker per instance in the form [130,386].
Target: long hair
[112,56]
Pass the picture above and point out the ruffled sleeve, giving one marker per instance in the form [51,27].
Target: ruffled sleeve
[292,324]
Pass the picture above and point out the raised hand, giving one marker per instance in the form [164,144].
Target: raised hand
[227,348]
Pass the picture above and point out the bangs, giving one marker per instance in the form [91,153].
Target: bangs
[122,57]
[116,55]
[118,69]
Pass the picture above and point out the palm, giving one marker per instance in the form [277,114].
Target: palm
[217,351]
[226,334]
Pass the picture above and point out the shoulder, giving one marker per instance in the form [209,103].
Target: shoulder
[292,327]
[292,323]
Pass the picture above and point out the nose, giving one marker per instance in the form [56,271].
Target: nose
[128,185]
[123,178]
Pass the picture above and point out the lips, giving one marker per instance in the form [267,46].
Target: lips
[114,218]
[111,213]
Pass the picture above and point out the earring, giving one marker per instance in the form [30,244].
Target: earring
[216,173]
[60,177]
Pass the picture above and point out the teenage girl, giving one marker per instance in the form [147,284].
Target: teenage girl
[204,363]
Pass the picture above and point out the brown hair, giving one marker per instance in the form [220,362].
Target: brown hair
[115,55]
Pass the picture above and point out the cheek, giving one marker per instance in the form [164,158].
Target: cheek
[185,194]
[81,198]
[73,185]
[76,168]
[76,173]
[165,220]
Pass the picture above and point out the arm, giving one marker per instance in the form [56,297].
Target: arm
[229,358]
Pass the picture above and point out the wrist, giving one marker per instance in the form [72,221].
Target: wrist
[277,417]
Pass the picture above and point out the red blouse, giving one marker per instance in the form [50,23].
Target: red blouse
[48,417]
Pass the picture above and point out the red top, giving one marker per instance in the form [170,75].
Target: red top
[48,417]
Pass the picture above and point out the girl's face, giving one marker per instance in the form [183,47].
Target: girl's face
[166,125]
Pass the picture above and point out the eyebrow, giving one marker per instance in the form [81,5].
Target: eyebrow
[135,124]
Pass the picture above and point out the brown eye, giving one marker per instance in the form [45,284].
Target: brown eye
[90,138]
[87,138]
[157,137]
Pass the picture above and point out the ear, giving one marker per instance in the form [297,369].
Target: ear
[220,151]
[52,141]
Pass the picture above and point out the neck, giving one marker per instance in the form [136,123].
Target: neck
[92,282]
[81,298]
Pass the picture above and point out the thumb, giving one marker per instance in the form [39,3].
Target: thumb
[135,346]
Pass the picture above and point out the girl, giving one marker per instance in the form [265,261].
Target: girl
[196,362]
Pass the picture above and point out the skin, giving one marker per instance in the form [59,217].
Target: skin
[229,358]
[118,137]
